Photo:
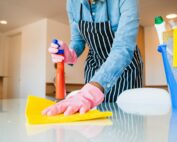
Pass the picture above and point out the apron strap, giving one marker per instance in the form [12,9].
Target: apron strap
[81,12]
[81,7]
[107,11]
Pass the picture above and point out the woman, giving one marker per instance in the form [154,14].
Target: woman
[113,65]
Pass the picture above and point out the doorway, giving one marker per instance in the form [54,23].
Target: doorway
[14,67]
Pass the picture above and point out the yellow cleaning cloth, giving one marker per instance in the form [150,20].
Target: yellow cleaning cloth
[175,48]
[35,105]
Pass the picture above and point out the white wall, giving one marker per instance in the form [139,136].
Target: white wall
[33,58]
[1,56]
[73,74]
[14,69]
[154,70]
[4,64]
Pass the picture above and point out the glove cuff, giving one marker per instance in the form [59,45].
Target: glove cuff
[93,94]
[72,59]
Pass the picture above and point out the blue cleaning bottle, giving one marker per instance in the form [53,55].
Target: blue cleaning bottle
[162,48]
[172,83]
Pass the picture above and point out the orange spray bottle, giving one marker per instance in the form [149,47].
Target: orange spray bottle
[60,78]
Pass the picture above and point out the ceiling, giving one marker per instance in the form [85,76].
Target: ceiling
[21,12]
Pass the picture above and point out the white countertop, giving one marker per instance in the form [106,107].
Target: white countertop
[125,127]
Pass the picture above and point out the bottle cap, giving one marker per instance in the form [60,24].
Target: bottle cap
[60,51]
[159,20]
[55,41]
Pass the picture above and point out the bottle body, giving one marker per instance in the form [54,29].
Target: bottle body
[60,74]
[160,28]
[60,81]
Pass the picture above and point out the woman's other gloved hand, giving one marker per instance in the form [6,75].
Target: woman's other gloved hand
[70,56]
[86,98]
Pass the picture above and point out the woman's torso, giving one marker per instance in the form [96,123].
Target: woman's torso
[100,11]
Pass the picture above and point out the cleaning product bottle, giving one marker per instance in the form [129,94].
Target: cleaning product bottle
[160,28]
[60,79]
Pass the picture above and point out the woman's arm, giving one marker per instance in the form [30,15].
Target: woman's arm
[76,43]
[123,47]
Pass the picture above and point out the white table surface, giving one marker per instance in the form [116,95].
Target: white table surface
[125,127]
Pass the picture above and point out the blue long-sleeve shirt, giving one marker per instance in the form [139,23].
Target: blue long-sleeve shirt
[124,19]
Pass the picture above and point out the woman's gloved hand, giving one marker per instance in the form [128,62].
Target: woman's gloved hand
[86,98]
[70,56]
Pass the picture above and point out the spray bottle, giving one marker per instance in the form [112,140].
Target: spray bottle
[160,28]
[162,48]
[60,79]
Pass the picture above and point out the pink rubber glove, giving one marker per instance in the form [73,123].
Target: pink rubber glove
[70,56]
[87,98]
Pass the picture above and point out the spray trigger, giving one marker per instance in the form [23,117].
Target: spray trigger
[60,51]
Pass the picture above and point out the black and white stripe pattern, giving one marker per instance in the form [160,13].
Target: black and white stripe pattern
[126,127]
[99,37]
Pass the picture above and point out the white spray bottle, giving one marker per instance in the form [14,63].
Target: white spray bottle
[160,28]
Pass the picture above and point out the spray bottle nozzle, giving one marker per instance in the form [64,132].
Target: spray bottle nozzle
[55,41]
[60,51]
[158,20]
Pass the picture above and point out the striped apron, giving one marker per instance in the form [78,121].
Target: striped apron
[99,38]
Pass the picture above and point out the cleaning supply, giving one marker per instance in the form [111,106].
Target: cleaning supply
[87,98]
[170,39]
[160,28]
[172,83]
[145,101]
[35,105]
[173,26]
[60,79]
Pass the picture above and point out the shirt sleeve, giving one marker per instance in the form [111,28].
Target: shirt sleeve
[123,46]
[77,43]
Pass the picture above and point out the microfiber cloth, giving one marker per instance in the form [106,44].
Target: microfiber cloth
[35,105]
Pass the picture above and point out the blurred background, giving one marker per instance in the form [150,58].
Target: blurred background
[25,65]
